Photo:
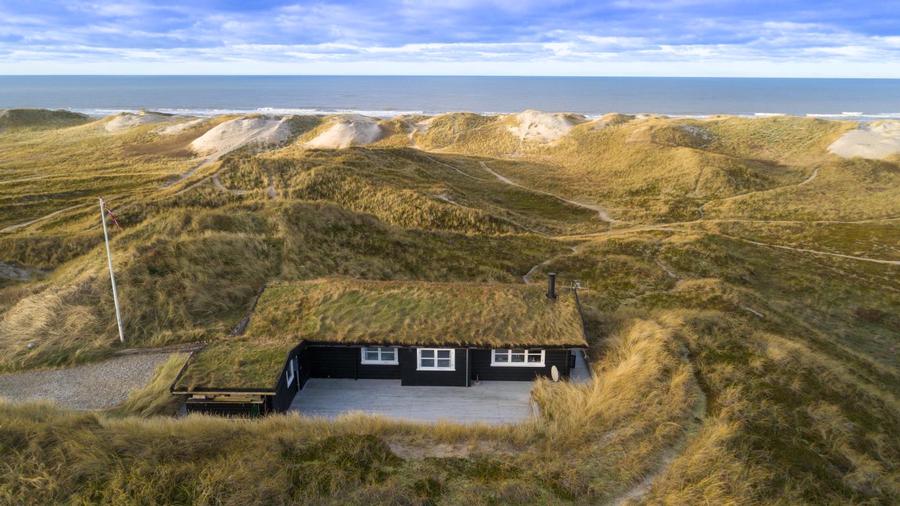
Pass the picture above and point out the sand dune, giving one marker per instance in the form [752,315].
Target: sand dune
[421,127]
[346,131]
[126,120]
[544,127]
[233,134]
[877,140]
[180,127]
[610,119]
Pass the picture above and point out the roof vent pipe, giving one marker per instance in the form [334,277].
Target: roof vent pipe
[551,285]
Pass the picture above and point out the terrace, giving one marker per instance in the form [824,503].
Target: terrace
[491,402]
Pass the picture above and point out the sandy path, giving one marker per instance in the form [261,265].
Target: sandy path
[190,172]
[99,385]
[527,277]
[24,179]
[449,201]
[812,222]
[466,174]
[671,227]
[811,178]
[698,414]
[601,213]
[219,186]
[13,228]
[270,190]
[815,252]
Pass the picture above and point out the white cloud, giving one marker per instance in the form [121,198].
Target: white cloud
[418,35]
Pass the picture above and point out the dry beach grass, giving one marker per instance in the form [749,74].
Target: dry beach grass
[727,370]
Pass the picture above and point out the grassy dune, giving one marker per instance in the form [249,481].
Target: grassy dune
[728,368]
[39,119]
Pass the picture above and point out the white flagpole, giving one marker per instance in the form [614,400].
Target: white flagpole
[112,277]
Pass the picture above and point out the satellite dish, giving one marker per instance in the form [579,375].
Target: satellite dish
[554,373]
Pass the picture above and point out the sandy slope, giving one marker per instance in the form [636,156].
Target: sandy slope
[180,127]
[233,134]
[126,120]
[348,130]
[544,127]
[877,140]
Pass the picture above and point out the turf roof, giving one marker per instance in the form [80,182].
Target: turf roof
[347,311]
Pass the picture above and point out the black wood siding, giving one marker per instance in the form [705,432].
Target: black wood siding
[284,393]
[346,362]
[333,362]
[409,376]
[367,371]
[481,369]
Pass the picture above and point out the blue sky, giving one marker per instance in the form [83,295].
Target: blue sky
[488,37]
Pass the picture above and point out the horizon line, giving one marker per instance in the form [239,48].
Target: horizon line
[568,76]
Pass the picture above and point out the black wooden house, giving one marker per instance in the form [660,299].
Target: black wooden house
[434,334]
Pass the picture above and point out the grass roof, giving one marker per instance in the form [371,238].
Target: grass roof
[347,311]
[416,313]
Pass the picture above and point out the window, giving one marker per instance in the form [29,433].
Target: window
[436,359]
[291,371]
[379,355]
[517,358]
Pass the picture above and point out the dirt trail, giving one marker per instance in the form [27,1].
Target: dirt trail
[219,186]
[805,222]
[196,183]
[601,213]
[13,228]
[815,173]
[190,172]
[270,190]
[527,277]
[466,174]
[23,179]
[672,228]
[815,252]
[698,414]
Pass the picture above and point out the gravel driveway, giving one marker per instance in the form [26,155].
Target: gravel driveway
[93,386]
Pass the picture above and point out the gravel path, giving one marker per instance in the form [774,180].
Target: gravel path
[93,386]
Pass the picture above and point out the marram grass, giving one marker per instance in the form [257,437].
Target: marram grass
[726,372]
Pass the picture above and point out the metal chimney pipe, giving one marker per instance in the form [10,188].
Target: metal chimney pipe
[551,285]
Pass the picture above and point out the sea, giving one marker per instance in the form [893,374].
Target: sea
[385,96]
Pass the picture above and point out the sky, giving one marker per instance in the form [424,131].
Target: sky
[728,38]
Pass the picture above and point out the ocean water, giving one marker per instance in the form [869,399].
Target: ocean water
[392,95]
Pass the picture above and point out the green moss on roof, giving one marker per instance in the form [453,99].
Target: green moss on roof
[348,311]
[416,313]
[235,363]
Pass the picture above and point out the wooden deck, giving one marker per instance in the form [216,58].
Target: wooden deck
[491,402]
[580,373]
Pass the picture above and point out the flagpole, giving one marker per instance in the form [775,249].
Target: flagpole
[112,277]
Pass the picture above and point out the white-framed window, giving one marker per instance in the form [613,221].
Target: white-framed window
[517,358]
[379,355]
[436,359]
[291,372]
